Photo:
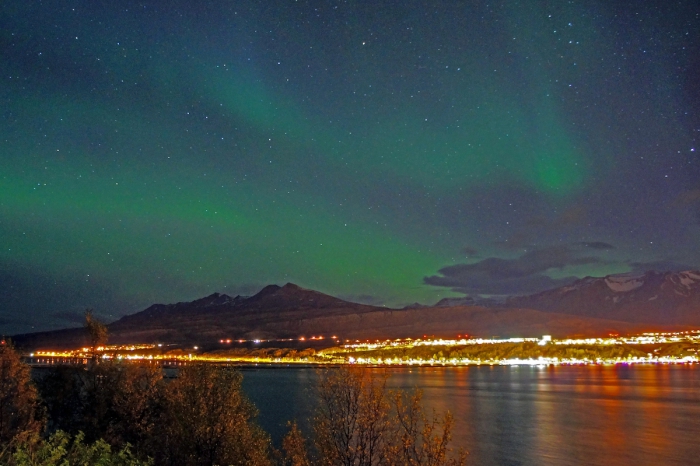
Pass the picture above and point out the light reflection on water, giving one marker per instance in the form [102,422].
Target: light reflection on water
[597,415]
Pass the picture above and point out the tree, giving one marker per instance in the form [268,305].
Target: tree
[117,402]
[97,332]
[61,394]
[19,404]
[419,440]
[361,423]
[294,446]
[136,405]
[207,420]
[352,422]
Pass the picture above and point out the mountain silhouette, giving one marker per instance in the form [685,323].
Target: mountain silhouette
[651,297]
[589,307]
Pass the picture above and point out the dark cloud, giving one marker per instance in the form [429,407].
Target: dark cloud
[574,216]
[661,266]
[32,299]
[470,252]
[518,240]
[537,227]
[524,274]
[479,285]
[596,245]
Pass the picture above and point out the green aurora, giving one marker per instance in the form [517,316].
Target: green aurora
[152,154]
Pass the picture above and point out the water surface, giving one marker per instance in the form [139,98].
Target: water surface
[596,415]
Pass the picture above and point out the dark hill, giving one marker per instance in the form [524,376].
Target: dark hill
[291,311]
[271,304]
[665,298]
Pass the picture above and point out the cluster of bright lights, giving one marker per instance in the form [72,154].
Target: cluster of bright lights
[540,361]
[645,338]
[258,340]
[409,342]
[334,356]
[692,336]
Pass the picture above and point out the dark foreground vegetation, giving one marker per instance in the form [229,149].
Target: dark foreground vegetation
[129,414]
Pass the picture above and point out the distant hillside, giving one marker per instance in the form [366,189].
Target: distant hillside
[274,312]
[665,298]
[291,312]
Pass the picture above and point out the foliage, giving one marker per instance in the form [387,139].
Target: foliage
[352,423]
[202,417]
[294,446]
[60,450]
[19,407]
[62,395]
[97,332]
[360,423]
[419,440]
[136,405]
[111,401]
[207,420]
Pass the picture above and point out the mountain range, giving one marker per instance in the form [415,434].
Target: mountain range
[588,307]
[663,298]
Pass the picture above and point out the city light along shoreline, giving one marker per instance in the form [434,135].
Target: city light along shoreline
[645,348]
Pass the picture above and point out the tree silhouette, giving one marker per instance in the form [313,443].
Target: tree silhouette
[19,405]
[117,402]
[417,439]
[294,447]
[97,332]
[207,420]
[361,423]
[352,423]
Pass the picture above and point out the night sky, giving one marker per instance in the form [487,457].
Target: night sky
[383,152]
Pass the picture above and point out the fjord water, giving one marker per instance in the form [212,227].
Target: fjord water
[522,415]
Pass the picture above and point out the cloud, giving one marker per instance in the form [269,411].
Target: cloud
[525,274]
[596,245]
[518,240]
[30,299]
[537,226]
[661,266]
[470,252]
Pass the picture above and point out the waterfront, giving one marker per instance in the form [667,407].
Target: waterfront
[681,347]
[523,415]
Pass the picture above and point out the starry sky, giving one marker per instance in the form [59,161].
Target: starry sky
[383,152]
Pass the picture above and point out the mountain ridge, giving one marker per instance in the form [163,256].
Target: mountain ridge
[653,297]
[290,311]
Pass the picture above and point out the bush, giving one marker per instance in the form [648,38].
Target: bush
[60,450]
[19,402]
[361,423]
[115,402]
[207,420]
